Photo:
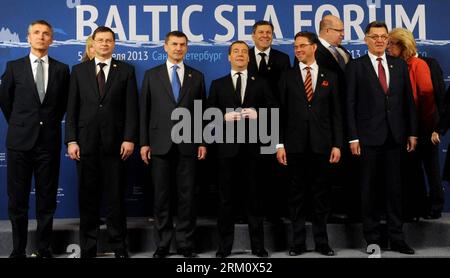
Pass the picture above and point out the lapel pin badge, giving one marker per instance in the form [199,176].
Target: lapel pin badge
[391,66]
[321,75]
[190,75]
[253,78]
[114,65]
[268,68]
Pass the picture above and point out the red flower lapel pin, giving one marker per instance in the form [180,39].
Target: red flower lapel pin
[324,83]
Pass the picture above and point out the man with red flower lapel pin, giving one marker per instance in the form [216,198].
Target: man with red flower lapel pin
[310,140]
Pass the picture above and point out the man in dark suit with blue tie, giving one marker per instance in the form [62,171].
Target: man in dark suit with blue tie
[381,120]
[165,88]
[310,141]
[239,95]
[101,131]
[33,98]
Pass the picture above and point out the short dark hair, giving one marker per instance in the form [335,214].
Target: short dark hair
[237,42]
[42,22]
[376,24]
[177,34]
[103,29]
[312,38]
[262,23]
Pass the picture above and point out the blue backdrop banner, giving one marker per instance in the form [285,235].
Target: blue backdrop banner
[140,27]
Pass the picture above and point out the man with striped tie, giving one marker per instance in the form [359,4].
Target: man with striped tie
[310,141]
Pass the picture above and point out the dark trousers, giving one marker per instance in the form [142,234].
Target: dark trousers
[178,169]
[418,201]
[237,175]
[386,191]
[274,181]
[22,165]
[101,176]
[309,176]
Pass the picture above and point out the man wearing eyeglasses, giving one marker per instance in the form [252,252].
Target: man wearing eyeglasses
[310,141]
[381,120]
[101,131]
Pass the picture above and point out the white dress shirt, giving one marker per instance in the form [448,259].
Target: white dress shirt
[258,57]
[338,49]
[244,77]
[105,68]
[45,65]
[180,71]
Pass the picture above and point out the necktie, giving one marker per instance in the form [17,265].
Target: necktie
[176,84]
[40,82]
[382,75]
[239,86]
[262,64]
[338,57]
[308,85]
[101,79]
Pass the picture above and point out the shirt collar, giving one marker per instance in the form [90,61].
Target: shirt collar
[267,51]
[233,72]
[170,65]
[33,58]
[374,58]
[313,66]
[107,61]
[325,43]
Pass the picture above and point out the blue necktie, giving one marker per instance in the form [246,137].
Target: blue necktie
[176,84]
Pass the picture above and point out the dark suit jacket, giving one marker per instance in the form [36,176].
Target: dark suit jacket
[222,95]
[157,103]
[314,126]
[371,112]
[26,116]
[107,121]
[437,78]
[278,63]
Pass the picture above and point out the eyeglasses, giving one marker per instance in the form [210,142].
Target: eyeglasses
[101,41]
[302,46]
[337,30]
[378,37]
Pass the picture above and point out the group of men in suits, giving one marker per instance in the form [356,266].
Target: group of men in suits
[103,126]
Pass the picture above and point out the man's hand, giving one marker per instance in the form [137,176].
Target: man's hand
[201,155]
[335,155]
[281,156]
[412,143]
[355,148]
[146,154]
[126,150]
[435,138]
[232,116]
[74,151]
[249,113]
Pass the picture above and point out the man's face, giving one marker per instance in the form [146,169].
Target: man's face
[40,37]
[377,40]
[263,37]
[335,33]
[304,50]
[176,48]
[104,44]
[238,57]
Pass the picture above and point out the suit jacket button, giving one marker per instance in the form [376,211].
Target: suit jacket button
[309,105]
[101,105]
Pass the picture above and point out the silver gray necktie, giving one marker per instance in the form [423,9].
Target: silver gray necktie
[40,82]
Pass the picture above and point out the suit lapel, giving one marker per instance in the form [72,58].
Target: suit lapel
[300,84]
[51,77]
[113,68]
[187,81]
[164,77]
[91,71]
[320,80]
[372,74]
[30,77]
[229,87]
[248,89]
